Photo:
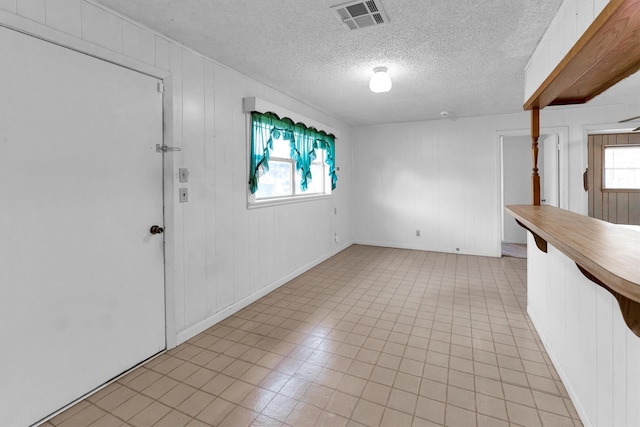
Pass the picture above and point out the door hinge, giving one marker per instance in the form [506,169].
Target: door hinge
[160,87]
[165,148]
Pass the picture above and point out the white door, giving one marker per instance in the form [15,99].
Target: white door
[81,277]
[549,172]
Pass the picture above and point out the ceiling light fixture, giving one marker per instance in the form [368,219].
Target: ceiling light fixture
[380,81]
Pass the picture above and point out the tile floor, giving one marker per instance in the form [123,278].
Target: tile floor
[373,336]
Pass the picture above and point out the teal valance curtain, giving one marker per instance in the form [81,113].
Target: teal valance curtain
[303,140]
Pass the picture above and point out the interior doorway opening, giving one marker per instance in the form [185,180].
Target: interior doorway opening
[515,184]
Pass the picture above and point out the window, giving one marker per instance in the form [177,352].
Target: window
[289,160]
[621,167]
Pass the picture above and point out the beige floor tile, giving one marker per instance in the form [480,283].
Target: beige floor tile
[239,417]
[376,393]
[264,421]
[372,336]
[394,418]
[150,415]
[112,400]
[237,392]
[486,421]
[217,384]
[351,385]
[517,394]
[554,420]
[214,412]
[107,420]
[459,417]
[341,404]
[177,395]
[303,415]
[83,417]
[523,415]
[368,413]
[280,407]
[406,382]
[550,403]
[491,406]
[196,403]
[402,401]
[318,395]
[328,419]
[200,377]
[461,398]
[431,410]
[160,387]
[174,419]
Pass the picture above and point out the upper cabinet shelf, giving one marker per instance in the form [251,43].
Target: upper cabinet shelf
[606,53]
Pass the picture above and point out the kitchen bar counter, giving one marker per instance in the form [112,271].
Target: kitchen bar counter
[575,264]
[609,252]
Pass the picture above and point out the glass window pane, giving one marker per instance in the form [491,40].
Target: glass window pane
[281,148]
[316,185]
[276,182]
[622,167]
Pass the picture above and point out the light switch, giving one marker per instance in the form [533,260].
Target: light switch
[183,175]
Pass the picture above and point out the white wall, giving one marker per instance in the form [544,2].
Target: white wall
[516,182]
[594,352]
[443,177]
[220,255]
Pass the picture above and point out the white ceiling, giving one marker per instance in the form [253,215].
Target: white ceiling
[463,56]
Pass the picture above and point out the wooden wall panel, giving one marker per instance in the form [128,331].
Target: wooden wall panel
[64,15]
[32,9]
[616,207]
[101,27]
[193,158]
[591,347]
[571,20]
[175,66]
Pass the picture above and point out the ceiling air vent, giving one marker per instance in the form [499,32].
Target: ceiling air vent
[360,14]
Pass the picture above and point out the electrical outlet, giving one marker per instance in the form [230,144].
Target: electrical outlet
[184,195]
[335,237]
[417,233]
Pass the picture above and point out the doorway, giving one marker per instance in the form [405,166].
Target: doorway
[82,276]
[516,165]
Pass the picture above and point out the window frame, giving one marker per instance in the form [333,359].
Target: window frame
[603,170]
[329,170]
[295,179]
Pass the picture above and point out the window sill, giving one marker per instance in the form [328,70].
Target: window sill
[287,200]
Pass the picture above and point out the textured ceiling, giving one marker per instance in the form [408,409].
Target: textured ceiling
[463,56]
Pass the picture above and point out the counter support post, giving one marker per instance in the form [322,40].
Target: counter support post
[535,134]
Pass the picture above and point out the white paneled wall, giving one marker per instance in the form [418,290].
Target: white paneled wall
[443,177]
[438,177]
[220,255]
[568,25]
[584,333]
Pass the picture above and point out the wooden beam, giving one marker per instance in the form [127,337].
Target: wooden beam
[535,177]
[607,52]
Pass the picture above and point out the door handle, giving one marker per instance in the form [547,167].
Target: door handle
[156,229]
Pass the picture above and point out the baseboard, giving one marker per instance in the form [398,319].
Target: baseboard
[205,324]
[493,253]
[563,376]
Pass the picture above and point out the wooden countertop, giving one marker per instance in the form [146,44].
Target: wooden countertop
[609,252]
